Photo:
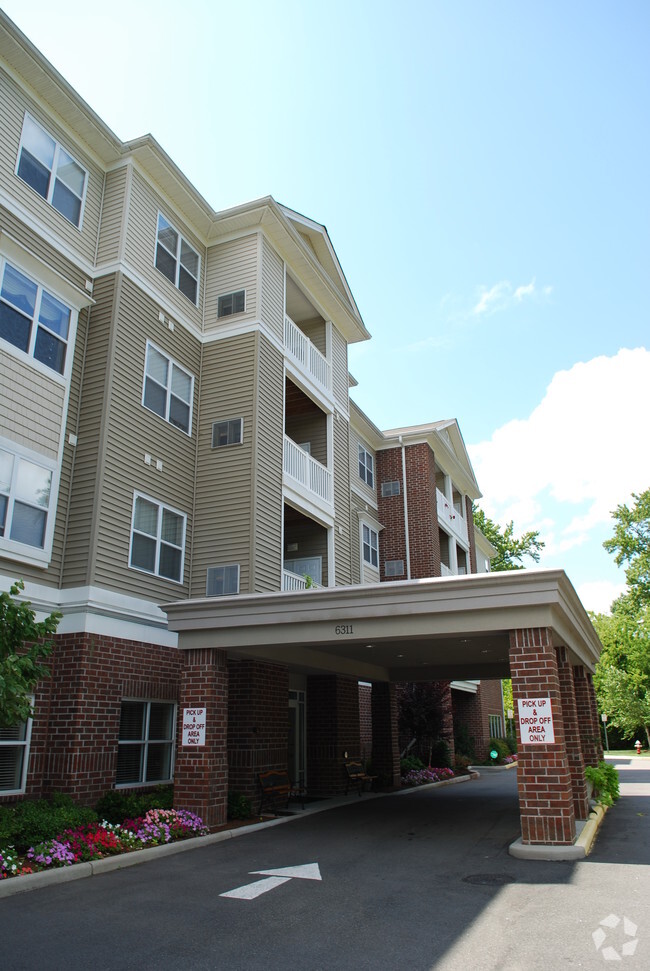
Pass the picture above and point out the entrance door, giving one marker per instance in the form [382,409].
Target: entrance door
[296,767]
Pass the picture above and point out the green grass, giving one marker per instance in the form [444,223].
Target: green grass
[626,752]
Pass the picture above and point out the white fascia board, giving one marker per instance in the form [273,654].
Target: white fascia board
[366,428]
[470,687]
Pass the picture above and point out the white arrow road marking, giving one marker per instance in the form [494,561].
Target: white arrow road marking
[252,890]
[274,878]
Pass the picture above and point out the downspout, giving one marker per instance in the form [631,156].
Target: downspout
[406,511]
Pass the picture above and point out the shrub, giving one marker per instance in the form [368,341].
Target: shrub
[462,762]
[29,823]
[439,754]
[464,743]
[239,806]
[116,806]
[410,762]
[604,780]
[511,742]
[500,746]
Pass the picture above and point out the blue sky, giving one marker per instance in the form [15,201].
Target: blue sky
[482,171]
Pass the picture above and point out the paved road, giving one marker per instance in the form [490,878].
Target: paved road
[421,881]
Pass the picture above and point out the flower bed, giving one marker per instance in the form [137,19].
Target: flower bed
[95,841]
[422,777]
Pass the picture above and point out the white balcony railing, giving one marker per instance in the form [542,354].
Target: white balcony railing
[450,518]
[292,581]
[310,474]
[307,355]
[445,571]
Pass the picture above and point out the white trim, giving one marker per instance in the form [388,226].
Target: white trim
[27,744]
[23,552]
[51,279]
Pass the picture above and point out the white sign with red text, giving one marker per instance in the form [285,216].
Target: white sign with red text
[536,721]
[193,726]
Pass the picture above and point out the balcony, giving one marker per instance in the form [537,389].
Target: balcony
[308,480]
[450,518]
[307,357]
[291,581]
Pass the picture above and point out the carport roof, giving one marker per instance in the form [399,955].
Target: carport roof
[414,630]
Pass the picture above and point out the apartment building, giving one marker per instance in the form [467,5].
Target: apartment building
[176,429]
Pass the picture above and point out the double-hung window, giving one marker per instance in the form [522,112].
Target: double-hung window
[366,467]
[177,259]
[14,756]
[168,389]
[51,171]
[145,751]
[25,492]
[33,320]
[157,539]
[370,544]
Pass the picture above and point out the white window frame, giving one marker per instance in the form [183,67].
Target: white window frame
[222,567]
[177,257]
[36,325]
[230,422]
[231,313]
[162,507]
[367,543]
[366,467]
[25,744]
[496,721]
[14,549]
[146,741]
[167,388]
[58,153]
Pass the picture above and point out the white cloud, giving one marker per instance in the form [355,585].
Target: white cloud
[504,294]
[599,595]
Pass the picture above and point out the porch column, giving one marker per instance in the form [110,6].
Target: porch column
[589,726]
[543,773]
[332,730]
[572,735]
[201,773]
[385,742]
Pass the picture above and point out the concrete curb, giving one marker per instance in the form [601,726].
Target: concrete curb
[492,768]
[79,871]
[586,834]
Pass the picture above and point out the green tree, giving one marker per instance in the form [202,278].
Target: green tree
[24,645]
[631,545]
[622,677]
[511,549]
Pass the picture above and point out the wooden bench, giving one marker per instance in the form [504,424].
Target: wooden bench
[277,788]
[357,776]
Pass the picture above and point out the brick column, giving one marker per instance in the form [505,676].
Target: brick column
[572,735]
[543,774]
[332,730]
[258,699]
[201,774]
[588,724]
[385,743]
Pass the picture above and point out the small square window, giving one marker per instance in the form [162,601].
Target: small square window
[222,581]
[231,303]
[228,432]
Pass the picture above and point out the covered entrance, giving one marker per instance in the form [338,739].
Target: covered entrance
[528,625]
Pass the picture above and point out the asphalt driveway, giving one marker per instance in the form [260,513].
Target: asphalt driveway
[413,881]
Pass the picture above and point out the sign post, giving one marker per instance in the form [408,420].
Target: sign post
[603,718]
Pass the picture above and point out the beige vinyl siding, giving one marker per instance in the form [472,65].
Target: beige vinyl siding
[140,247]
[340,374]
[42,250]
[266,533]
[310,428]
[342,540]
[13,105]
[224,491]
[85,496]
[113,216]
[231,266]
[133,430]
[272,296]
[355,479]
[31,406]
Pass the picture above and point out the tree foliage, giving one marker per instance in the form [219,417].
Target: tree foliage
[24,645]
[631,545]
[511,549]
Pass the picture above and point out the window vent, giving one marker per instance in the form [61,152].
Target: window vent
[390,488]
[394,568]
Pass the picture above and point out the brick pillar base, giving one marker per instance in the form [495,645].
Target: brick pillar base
[588,726]
[572,735]
[332,730]
[385,742]
[543,773]
[258,699]
[201,775]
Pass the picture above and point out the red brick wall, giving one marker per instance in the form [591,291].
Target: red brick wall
[258,703]
[385,758]
[75,731]
[332,730]
[365,720]
[390,511]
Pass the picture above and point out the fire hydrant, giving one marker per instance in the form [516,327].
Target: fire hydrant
[637,746]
